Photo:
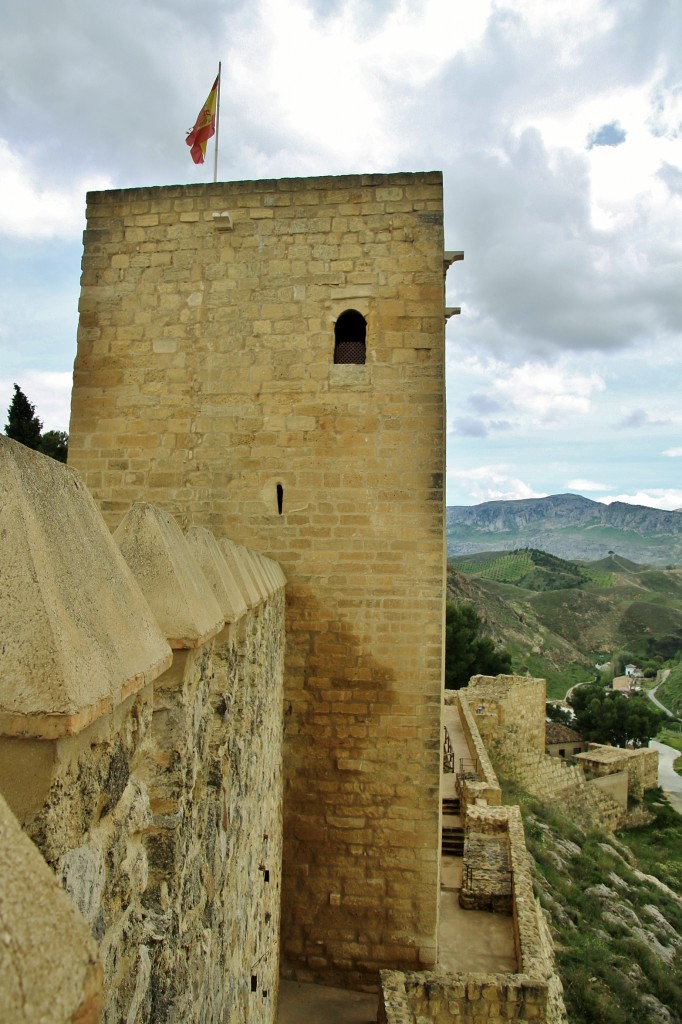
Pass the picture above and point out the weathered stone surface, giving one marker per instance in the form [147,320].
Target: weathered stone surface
[49,969]
[170,578]
[423,998]
[164,823]
[78,636]
[241,572]
[212,563]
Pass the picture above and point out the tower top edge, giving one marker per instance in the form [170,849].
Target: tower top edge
[326,181]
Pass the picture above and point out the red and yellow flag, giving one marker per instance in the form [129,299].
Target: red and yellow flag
[204,127]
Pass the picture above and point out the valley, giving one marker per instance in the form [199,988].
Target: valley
[558,618]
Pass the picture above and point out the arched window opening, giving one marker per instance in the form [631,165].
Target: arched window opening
[350,333]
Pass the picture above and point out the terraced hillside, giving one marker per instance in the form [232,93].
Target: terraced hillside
[558,618]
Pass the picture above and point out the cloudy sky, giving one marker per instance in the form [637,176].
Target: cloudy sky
[557,125]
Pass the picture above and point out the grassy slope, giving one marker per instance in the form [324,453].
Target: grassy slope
[670,692]
[612,924]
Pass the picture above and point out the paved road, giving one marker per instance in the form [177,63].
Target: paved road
[668,779]
[654,698]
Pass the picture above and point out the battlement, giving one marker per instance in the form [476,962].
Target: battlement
[140,748]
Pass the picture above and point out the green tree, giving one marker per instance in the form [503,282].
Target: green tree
[606,716]
[24,426]
[55,443]
[466,652]
[22,423]
[557,713]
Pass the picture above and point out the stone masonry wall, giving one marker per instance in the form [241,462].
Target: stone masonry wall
[510,715]
[214,839]
[162,816]
[496,876]
[486,865]
[162,824]
[49,968]
[460,998]
[205,383]
[641,766]
[485,787]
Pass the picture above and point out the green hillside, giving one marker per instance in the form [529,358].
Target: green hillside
[531,569]
[670,692]
[559,617]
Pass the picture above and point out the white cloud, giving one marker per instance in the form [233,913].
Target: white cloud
[673,453]
[331,93]
[585,485]
[546,393]
[654,497]
[30,208]
[573,258]
[492,483]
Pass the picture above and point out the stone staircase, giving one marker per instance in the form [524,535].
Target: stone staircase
[452,836]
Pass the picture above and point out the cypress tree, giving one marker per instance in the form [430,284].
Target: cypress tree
[22,423]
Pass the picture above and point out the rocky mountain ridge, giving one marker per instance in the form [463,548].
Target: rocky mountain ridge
[568,525]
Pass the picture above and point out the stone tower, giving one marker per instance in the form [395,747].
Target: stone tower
[266,359]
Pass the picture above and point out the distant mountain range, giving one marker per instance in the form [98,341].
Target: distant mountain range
[569,526]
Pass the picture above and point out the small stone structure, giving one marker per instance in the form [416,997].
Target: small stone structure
[411,998]
[641,765]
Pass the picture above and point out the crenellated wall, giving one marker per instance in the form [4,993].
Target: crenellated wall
[141,751]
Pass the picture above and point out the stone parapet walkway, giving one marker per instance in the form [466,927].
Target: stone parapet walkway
[301,1003]
[468,940]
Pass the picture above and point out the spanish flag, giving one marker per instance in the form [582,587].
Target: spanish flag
[204,128]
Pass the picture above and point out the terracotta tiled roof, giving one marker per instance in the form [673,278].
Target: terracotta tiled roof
[557,733]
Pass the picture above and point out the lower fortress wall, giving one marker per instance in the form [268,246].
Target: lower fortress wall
[502,720]
[147,773]
[508,714]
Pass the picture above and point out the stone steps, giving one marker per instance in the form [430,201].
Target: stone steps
[451,805]
[452,841]
[452,836]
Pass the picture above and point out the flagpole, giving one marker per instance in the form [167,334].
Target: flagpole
[217,126]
